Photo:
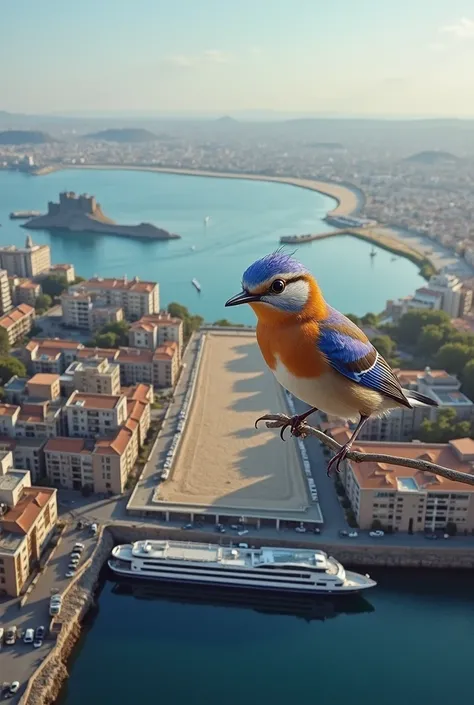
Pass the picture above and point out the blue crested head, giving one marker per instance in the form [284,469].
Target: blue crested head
[271,266]
[275,282]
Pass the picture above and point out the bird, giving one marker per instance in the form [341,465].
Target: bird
[315,352]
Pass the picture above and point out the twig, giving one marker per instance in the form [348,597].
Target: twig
[279,420]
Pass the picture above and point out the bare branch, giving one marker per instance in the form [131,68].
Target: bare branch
[279,420]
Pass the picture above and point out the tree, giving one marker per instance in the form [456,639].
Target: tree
[385,345]
[10,366]
[453,357]
[468,379]
[178,310]
[4,342]
[445,428]
[105,340]
[451,528]
[119,329]
[411,324]
[430,340]
[43,302]
[224,323]
[54,284]
[370,319]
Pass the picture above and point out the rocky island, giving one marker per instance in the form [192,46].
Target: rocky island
[83,214]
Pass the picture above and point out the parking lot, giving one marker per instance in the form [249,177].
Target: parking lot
[18,662]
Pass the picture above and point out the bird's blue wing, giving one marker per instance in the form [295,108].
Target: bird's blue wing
[349,352]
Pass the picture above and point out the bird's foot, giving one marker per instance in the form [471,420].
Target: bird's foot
[296,423]
[335,462]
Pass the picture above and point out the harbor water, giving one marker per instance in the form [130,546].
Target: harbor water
[246,221]
[405,641]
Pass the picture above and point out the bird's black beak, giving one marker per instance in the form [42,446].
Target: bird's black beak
[243,298]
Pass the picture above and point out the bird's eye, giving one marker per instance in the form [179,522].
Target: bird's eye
[278,286]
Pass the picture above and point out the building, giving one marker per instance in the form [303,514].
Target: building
[27,261]
[110,354]
[102,315]
[76,306]
[405,499]
[18,322]
[136,298]
[156,330]
[444,292]
[28,454]
[103,464]
[64,270]
[81,311]
[26,292]
[158,367]
[93,376]
[50,355]
[5,293]
[404,424]
[29,515]
[33,409]
[93,415]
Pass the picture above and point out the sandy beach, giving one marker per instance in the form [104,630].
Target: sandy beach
[348,200]
[224,461]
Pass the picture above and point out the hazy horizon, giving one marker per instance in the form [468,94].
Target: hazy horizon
[402,60]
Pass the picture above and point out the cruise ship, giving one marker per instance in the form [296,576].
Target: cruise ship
[285,569]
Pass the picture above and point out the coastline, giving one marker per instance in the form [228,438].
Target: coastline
[349,199]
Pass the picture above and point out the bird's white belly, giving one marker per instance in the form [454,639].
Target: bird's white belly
[331,393]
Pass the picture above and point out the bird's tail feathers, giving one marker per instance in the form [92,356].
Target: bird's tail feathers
[417,399]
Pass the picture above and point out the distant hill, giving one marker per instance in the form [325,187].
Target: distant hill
[432,157]
[25,137]
[127,134]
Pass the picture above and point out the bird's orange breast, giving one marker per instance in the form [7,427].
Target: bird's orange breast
[294,345]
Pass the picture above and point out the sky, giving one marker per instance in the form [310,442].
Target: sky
[345,57]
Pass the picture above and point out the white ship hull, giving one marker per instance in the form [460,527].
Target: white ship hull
[130,562]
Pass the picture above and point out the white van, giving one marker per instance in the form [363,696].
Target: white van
[29,636]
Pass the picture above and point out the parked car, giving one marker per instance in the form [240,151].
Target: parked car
[317,531]
[38,643]
[94,529]
[70,573]
[377,534]
[343,533]
[431,537]
[75,555]
[10,636]
[243,532]
[301,529]
[243,545]
[188,526]
[40,632]
[29,636]
[353,534]
[78,547]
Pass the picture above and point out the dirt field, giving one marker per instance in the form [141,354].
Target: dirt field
[223,460]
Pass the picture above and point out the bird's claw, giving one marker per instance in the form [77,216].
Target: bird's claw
[337,460]
[282,421]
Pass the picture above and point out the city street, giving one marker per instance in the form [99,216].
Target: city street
[18,662]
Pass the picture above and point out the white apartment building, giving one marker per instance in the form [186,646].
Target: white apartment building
[5,293]
[27,261]
[92,376]
[156,330]
[136,298]
[92,415]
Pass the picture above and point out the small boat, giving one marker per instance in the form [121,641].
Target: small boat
[393,259]
[192,248]
[196,284]
[207,219]
[373,252]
